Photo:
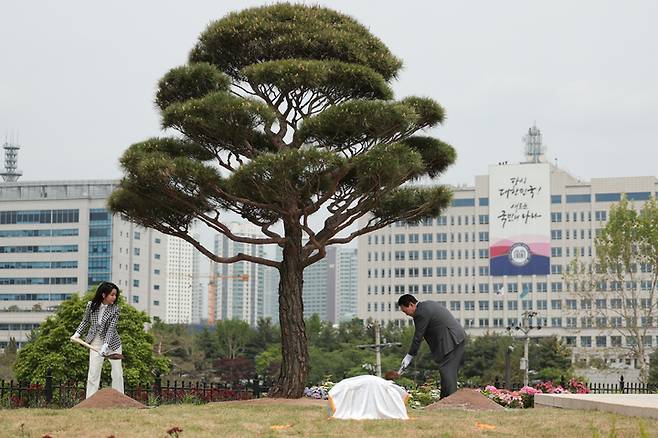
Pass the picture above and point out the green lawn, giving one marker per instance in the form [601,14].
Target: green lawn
[283,418]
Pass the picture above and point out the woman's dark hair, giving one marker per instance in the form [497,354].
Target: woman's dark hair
[103,288]
[406,299]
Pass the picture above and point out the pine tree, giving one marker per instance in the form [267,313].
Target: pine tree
[284,113]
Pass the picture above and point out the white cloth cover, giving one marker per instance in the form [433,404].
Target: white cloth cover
[368,398]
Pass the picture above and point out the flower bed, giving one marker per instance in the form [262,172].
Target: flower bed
[525,397]
[319,392]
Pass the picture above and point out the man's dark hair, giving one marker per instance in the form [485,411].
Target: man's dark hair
[406,299]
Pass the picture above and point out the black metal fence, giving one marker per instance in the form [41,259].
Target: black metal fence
[68,394]
[620,387]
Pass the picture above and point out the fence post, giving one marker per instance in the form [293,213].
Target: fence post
[49,386]
[621,384]
[157,387]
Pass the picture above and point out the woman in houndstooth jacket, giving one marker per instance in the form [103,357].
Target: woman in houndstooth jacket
[103,314]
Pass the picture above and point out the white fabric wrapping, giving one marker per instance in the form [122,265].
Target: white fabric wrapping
[368,398]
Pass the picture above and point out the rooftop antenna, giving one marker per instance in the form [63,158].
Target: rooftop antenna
[11,173]
[534,150]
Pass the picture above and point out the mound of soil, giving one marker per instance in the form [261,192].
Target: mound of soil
[109,398]
[470,399]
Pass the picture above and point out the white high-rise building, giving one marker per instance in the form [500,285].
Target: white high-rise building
[271,294]
[347,276]
[330,286]
[57,238]
[180,281]
[239,286]
[199,292]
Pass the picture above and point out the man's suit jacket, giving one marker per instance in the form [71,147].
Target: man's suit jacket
[106,328]
[439,328]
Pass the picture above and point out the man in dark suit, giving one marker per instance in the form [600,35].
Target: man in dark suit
[445,336]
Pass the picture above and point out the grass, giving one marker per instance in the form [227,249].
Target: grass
[274,418]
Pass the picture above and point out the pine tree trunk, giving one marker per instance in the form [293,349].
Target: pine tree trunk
[294,348]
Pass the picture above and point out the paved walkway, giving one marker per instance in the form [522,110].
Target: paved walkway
[638,405]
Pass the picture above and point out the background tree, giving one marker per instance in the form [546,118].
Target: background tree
[624,272]
[233,337]
[285,117]
[550,358]
[652,380]
[179,344]
[50,347]
[7,359]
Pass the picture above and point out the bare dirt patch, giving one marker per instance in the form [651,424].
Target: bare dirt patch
[109,398]
[470,399]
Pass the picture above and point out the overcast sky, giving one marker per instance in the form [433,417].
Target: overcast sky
[77,78]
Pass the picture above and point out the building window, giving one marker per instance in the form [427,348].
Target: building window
[586,341]
[526,288]
[156,287]
[135,283]
[556,234]
[157,256]
[573,199]
[136,235]
[135,299]
[468,202]
[136,251]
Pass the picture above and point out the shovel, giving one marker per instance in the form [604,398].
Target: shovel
[113,356]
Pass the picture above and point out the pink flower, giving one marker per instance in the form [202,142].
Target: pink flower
[491,388]
[529,390]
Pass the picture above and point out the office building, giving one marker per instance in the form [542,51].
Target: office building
[502,249]
[57,238]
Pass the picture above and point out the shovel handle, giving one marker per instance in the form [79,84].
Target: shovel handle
[113,356]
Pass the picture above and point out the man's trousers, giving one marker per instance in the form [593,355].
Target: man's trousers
[448,369]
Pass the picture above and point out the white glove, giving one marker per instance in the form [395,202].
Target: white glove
[76,335]
[405,362]
[103,351]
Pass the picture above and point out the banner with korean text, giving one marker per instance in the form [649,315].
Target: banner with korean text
[520,219]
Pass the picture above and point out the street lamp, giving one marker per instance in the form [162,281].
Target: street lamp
[526,326]
[377,346]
